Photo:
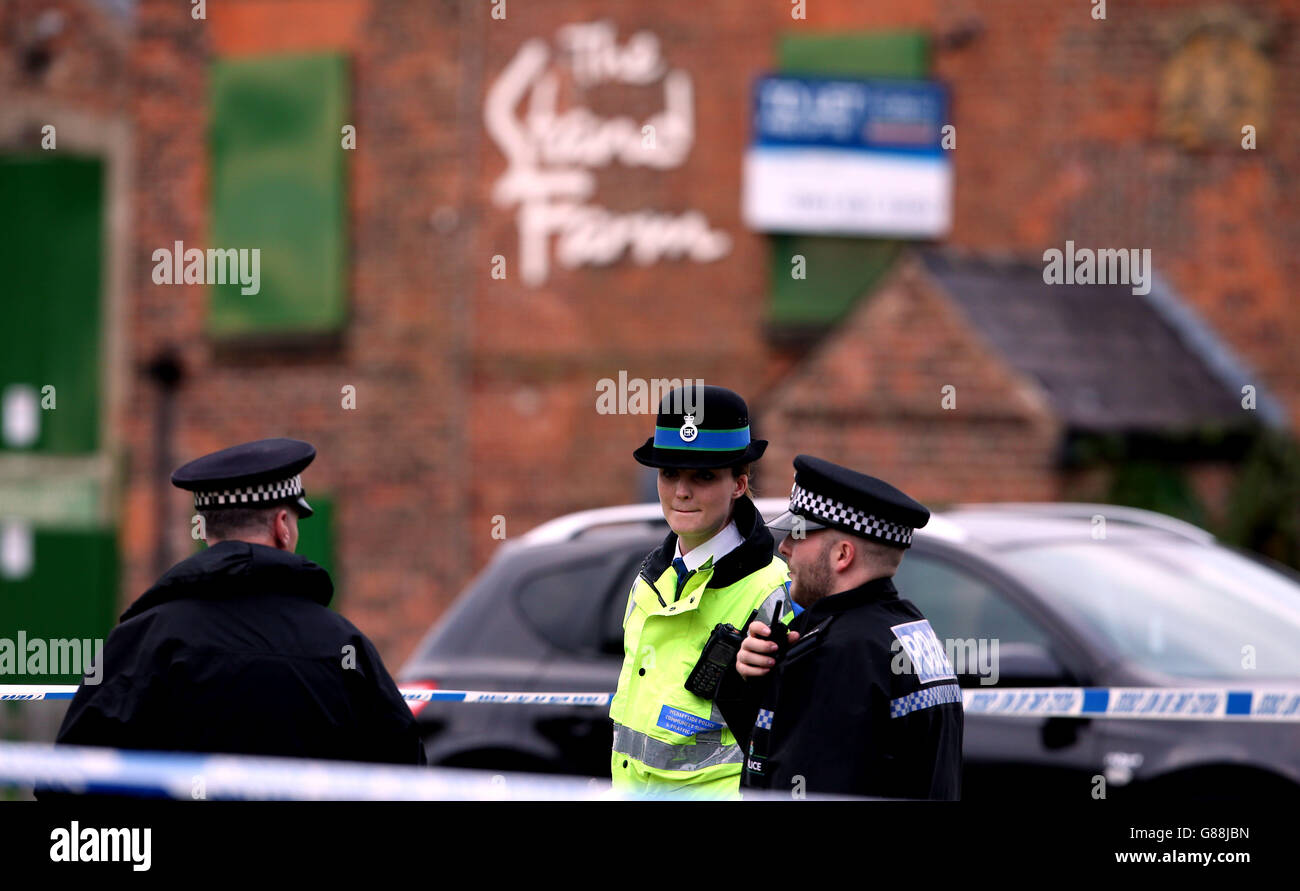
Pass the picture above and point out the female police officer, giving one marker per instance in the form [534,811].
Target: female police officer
[716,566]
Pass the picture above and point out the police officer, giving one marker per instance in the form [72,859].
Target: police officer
[716,566]
[860,698]
[235,649]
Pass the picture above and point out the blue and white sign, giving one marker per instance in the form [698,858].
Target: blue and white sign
[848,157]
[684,723]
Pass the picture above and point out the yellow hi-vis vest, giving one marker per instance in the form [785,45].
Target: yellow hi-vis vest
[667,739]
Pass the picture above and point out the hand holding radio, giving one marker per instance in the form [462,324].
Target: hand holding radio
[763,645]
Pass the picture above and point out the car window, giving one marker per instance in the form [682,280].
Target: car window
[1178,607]
[962,606]
[564,604]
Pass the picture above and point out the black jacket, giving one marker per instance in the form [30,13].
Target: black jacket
[841,711]
[235,650]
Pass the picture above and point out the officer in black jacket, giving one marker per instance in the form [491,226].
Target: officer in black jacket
[235,649]
[860,698]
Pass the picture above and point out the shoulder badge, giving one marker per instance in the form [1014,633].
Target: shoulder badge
[928,659]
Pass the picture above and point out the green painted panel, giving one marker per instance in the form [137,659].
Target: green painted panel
[278,185]
[51,235]
[68,591]
[837,272]
[316,534]
[860,54]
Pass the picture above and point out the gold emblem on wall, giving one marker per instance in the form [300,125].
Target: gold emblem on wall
[1217,80]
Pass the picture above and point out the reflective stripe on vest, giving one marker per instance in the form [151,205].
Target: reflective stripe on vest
[768,607]
[669,756]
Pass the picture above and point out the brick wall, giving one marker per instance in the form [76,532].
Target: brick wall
[476,396]
[872,396]
[64,53]
[392,464]
[1058,138]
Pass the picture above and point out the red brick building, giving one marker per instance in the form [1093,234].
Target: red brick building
[445,358]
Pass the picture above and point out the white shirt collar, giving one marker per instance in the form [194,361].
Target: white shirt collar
[717,547]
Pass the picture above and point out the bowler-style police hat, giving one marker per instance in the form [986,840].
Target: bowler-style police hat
[255,474]
[701,427]
[828,496]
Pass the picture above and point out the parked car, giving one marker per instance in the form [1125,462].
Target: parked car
[1151,602]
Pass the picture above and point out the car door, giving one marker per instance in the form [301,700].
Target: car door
[585,631]
[996,639]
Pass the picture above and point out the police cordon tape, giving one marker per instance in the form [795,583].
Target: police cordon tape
[36,692]
[1163,703]
[83,770]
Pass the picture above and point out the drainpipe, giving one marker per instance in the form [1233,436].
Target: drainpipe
[165,371]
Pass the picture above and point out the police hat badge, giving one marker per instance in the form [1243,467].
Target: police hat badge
[689,430]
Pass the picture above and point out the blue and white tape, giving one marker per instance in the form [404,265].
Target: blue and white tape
[1142,703]
[1162,703]
[36,692]
[82,770]
[488,696]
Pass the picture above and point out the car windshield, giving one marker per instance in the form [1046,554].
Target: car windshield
[1182,608]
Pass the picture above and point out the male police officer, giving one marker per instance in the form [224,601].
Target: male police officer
[860,698]
[235,648]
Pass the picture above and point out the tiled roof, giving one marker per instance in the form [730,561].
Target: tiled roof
[1108,359]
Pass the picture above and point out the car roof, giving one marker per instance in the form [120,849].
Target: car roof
[991,525]
[997,525]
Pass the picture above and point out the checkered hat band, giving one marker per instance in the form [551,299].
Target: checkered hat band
[819,507]
[260,494]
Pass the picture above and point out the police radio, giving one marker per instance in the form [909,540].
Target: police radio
[780,631]
[718,655]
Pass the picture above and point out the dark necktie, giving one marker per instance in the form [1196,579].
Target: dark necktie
[682,575]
